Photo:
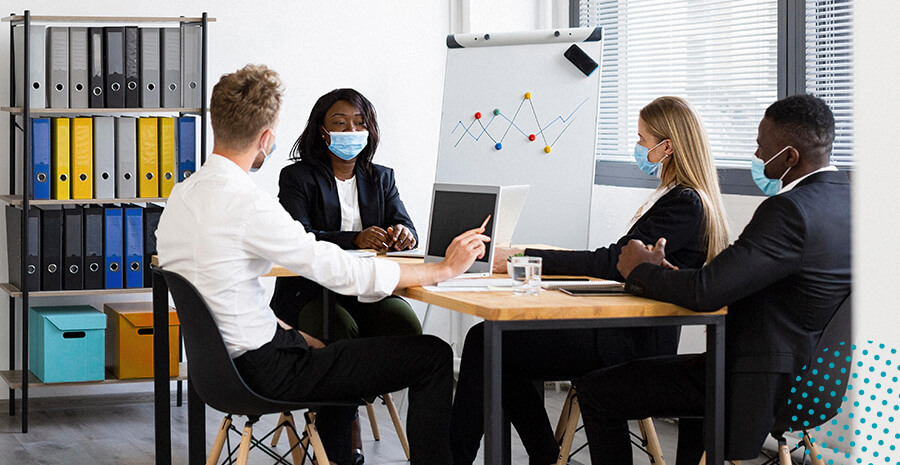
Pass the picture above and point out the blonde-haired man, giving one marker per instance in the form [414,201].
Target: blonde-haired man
[221,232]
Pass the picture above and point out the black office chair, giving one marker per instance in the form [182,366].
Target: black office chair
[219,385]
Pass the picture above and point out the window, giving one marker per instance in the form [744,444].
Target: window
[829,67]
[721,55]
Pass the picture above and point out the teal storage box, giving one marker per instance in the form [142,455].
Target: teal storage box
[65,343]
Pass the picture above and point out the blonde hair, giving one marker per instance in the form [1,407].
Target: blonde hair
[691,164]
[243,103]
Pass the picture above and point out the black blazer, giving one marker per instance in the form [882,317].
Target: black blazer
[782,281]
[677,216]
[309,194]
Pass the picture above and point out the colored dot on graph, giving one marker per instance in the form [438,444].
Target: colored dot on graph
[496,111]
[547,149]
[527,95]
[478,115]
[498,146]
[531,137]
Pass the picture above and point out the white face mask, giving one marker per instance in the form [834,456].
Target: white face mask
[267,155]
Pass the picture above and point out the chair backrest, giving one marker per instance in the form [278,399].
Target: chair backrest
[817,393]
[211,370]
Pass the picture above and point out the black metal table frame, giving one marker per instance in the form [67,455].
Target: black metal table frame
[497,432]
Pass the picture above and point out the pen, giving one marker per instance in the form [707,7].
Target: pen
[485,222]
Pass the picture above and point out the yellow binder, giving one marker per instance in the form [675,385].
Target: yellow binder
[148,157]
[59,163]
[82,166]
[166,156]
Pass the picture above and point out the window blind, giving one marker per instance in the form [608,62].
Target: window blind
[829,67]
[721,55]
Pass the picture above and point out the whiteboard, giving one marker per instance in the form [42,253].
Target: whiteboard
[517,111]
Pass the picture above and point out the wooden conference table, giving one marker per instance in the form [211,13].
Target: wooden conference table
[502,312]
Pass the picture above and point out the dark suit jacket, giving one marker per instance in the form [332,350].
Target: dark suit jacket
[309,194]
[677,216]
[782,281]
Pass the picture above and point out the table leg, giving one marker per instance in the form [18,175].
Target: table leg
[163,419]
[196,425]
[714,437]
[329,316]
[493,401]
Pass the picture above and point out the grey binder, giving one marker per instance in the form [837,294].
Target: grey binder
[78,67]
[191,43]
[104,157]
[150,75]
[126,157]
[35,80]
[58,66]
[170,59]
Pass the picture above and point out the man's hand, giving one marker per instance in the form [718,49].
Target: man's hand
[401,237]
[373,237]
[501,255]
[312,342]
[636,253]
[463,251]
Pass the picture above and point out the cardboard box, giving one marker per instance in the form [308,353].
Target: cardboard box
[65,343]
[129,342]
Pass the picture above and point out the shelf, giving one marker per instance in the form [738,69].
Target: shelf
[13,378]
[106,19]
[17,200]
[14,291]
[96,111]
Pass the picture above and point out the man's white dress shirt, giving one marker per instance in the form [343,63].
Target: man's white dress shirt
[222,232]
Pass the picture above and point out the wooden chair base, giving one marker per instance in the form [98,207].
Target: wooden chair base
[298,446]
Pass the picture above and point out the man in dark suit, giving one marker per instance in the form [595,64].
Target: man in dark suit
[782,280]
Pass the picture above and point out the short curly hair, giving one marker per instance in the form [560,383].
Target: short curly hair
[243,103]
[804,121]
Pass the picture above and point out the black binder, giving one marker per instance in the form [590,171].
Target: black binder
[94,260]
[95,66]
[114,66]
[132,68]
[73,246]
[14,247]
[51,247]
[151,221]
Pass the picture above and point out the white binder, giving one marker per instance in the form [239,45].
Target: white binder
[126,157]
[104,157]
[149,73]
[36,79]
[58,66]
[191,43]
[170,59]
[78,67]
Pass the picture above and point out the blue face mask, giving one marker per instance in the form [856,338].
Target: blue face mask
[347,145]
[769,187]
[644,164]
[253,170]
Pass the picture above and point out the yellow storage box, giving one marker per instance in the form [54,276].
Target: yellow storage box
[129,340]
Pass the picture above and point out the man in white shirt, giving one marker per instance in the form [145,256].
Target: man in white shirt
[222,233]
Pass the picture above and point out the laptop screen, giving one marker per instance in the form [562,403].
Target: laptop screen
[456,209]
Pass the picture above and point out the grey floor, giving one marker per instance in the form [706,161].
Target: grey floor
[118,429]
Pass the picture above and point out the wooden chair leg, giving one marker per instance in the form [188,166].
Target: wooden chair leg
[784,452]
[564,416]
[398,425]
[653,447]
[277,435]
[216,450]
[313,435]
[244,449]
[814,454]
[568,437]
[370,411]
[293,440]
[702,459]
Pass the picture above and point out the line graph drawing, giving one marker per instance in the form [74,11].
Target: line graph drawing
[484,130]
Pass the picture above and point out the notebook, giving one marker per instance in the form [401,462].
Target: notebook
[591,285]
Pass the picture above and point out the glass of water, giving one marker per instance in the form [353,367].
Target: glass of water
[526,275]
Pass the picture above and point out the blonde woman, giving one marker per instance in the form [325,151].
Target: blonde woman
[686,209]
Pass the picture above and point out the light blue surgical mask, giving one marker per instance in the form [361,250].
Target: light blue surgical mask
[253,170]
[769,187]
[644,164]
[347,145]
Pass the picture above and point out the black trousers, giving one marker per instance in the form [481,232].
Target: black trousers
[540,355]
[286,368]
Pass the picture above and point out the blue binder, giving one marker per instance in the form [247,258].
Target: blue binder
[40,158]
[112,237]
[134,247]
[187,147]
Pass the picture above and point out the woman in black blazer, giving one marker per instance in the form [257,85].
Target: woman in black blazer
[339,195]
[686,209]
